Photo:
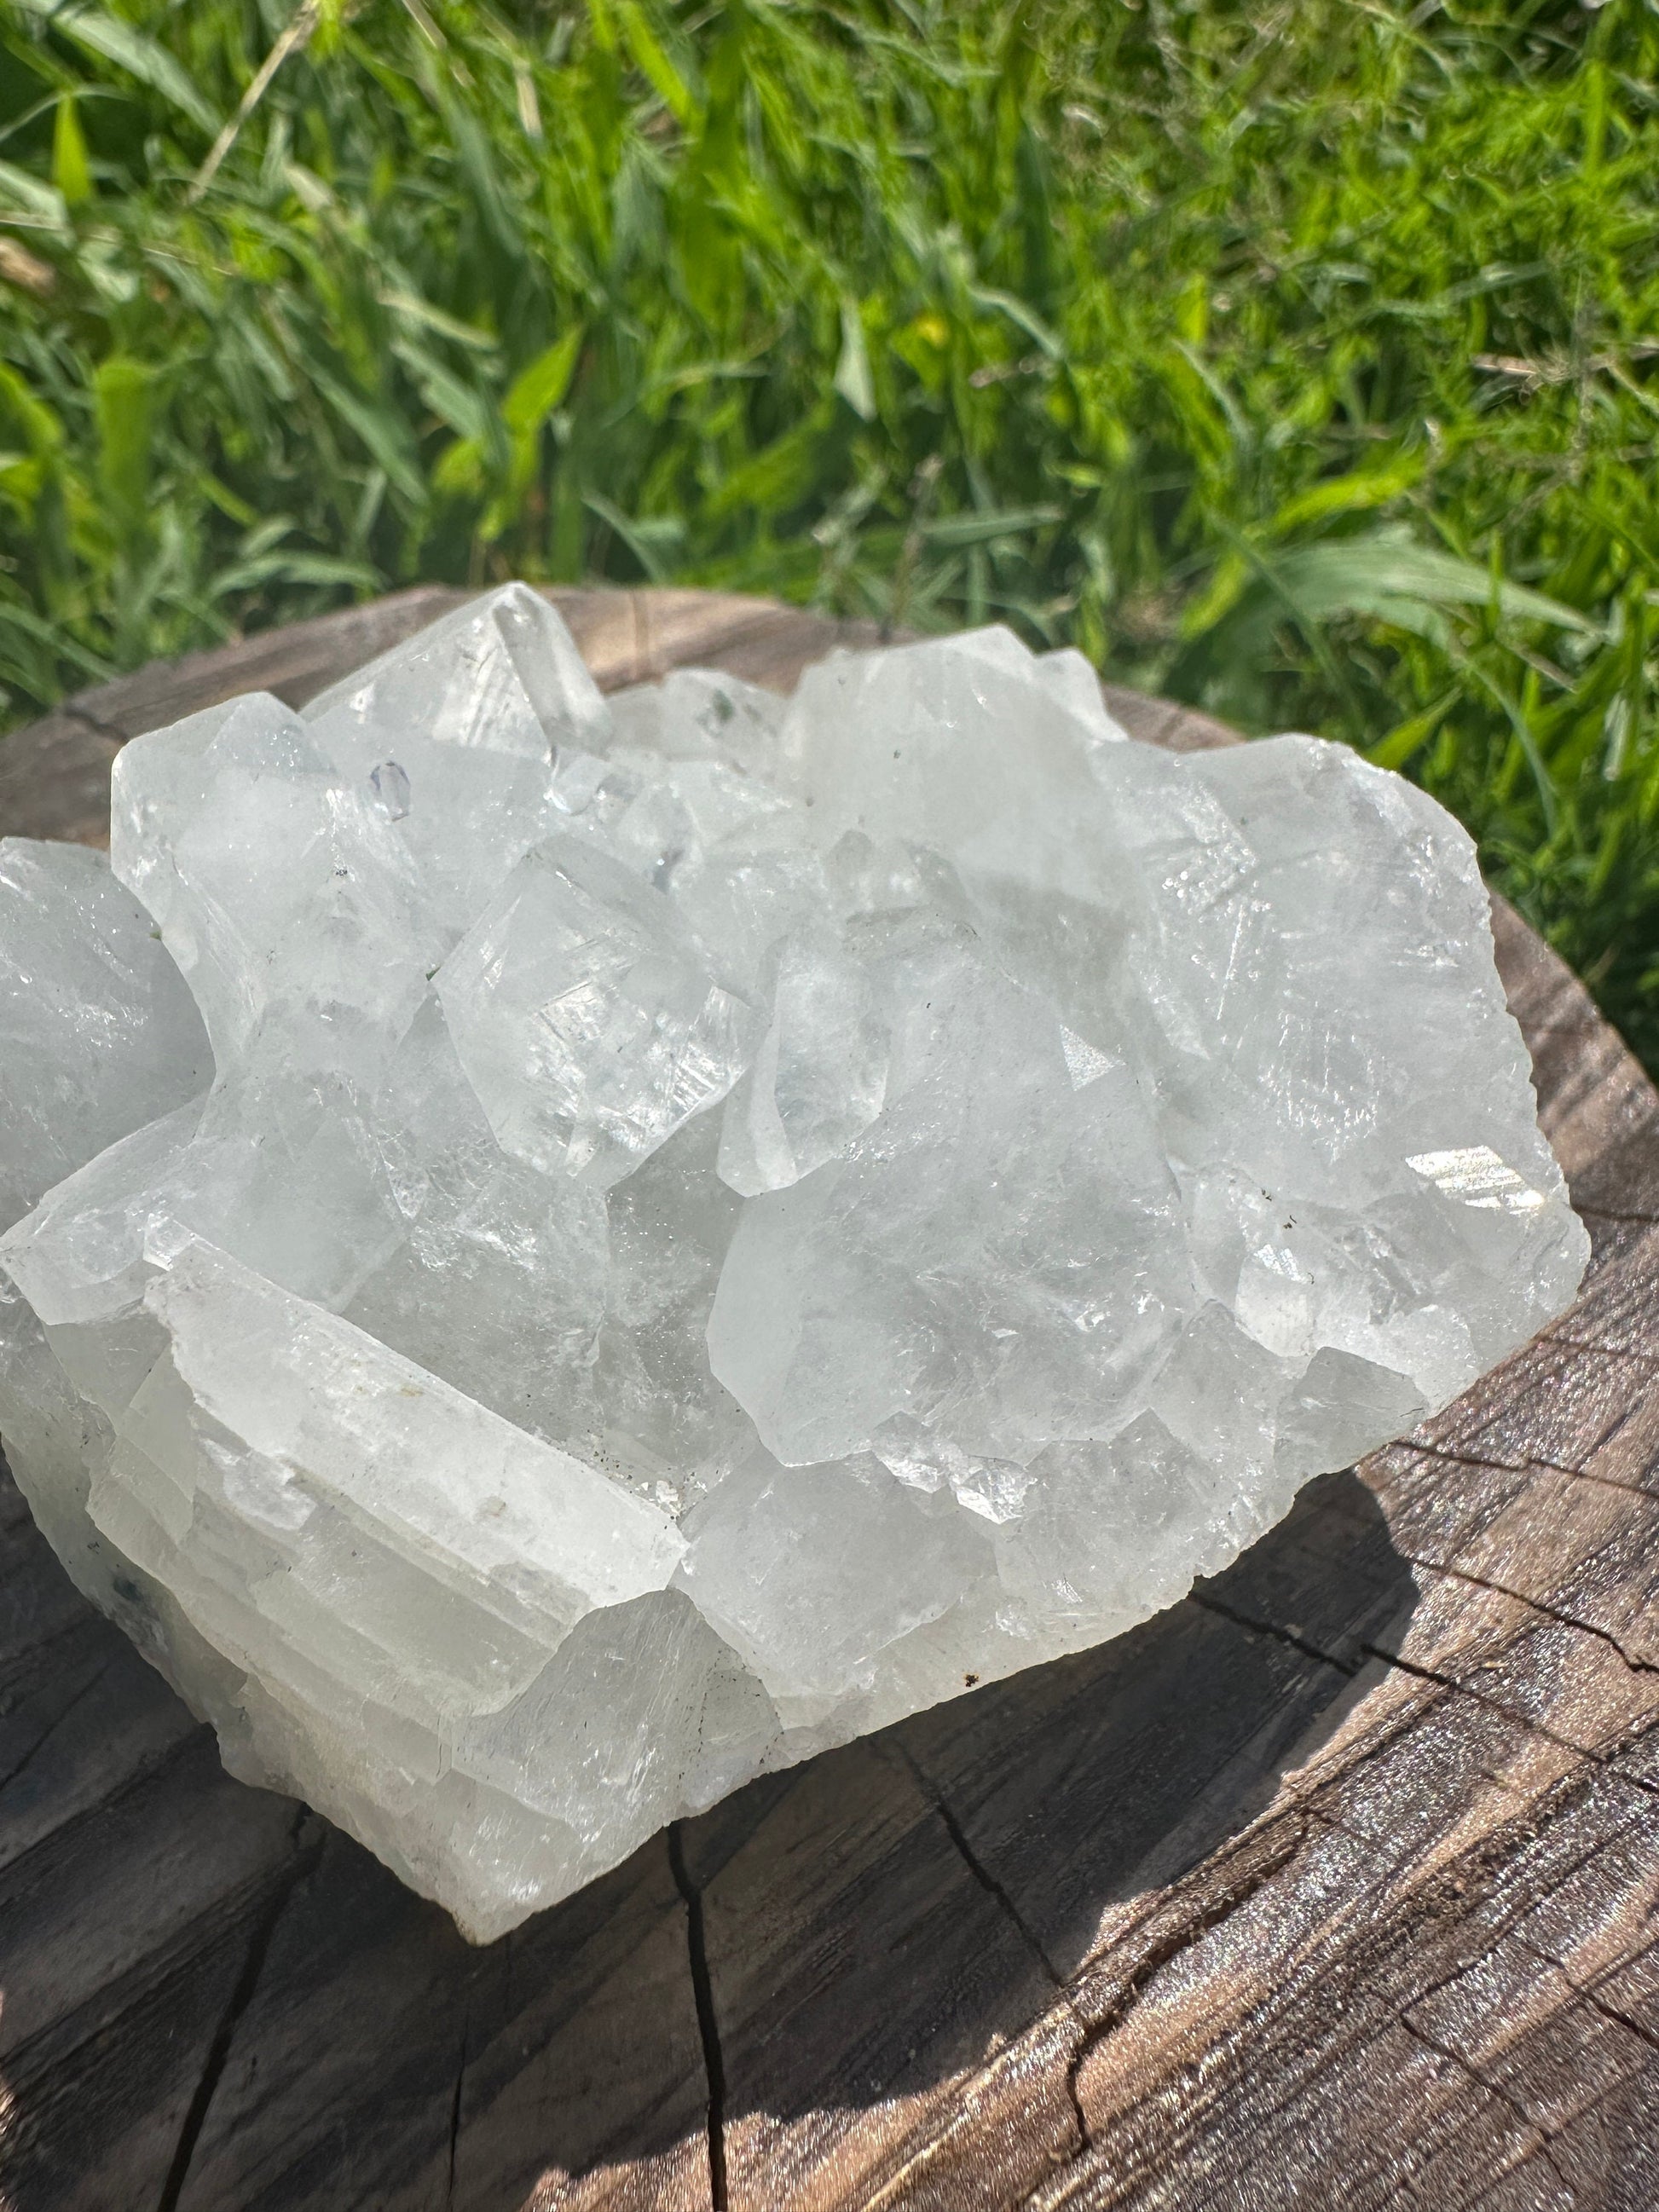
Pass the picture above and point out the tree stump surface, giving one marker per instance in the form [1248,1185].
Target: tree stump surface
[1334,1886]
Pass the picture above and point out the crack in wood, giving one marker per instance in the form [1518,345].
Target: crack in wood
[55,1723]
[1449,1456]
[1163,1953]
[1592,1997]
[970,1858]
[1482,1873]
[307,1839]
[93,1816]
[455,2117]
[1599,1346]
[1180,1940]
[1288,1637]
[1616,1355]
[1602,1759]
[899,2189]
[988,1882]
[1479,1874]
[1452,1683]
[1606,1482]
[1626,1414]
[1540,2139]
[702,1992]
[1526,1721]
[1599,1442]
[1538,1605]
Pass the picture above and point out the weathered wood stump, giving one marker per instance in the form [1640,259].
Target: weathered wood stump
[1332,1887]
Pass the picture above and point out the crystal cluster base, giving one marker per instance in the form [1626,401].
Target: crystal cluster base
[563,1253]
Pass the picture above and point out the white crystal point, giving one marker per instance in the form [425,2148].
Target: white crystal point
[501,672]
[278,887]
[704,1230]
[781,1564]
[703,714]
[819,1078]
[324,1416]
[97,1032]
[583,1018]
[467,739]
[996,1252]
[1072,680]
[97,1029]
[423,1564]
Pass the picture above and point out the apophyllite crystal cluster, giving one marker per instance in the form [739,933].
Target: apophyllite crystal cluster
[564,1254]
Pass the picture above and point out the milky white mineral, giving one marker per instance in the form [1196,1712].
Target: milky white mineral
[562,1255]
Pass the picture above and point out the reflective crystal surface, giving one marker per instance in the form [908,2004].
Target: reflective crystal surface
[559,1254]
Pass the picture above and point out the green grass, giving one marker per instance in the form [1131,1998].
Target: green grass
[1298,361]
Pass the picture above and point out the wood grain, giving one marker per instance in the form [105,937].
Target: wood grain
[1334,1886]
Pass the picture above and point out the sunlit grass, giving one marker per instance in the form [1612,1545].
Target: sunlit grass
[1296,362]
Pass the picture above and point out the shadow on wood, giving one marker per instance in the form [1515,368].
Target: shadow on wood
[207,1983]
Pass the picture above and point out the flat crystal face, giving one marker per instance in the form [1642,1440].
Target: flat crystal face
[584,1020]
[560,1255]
